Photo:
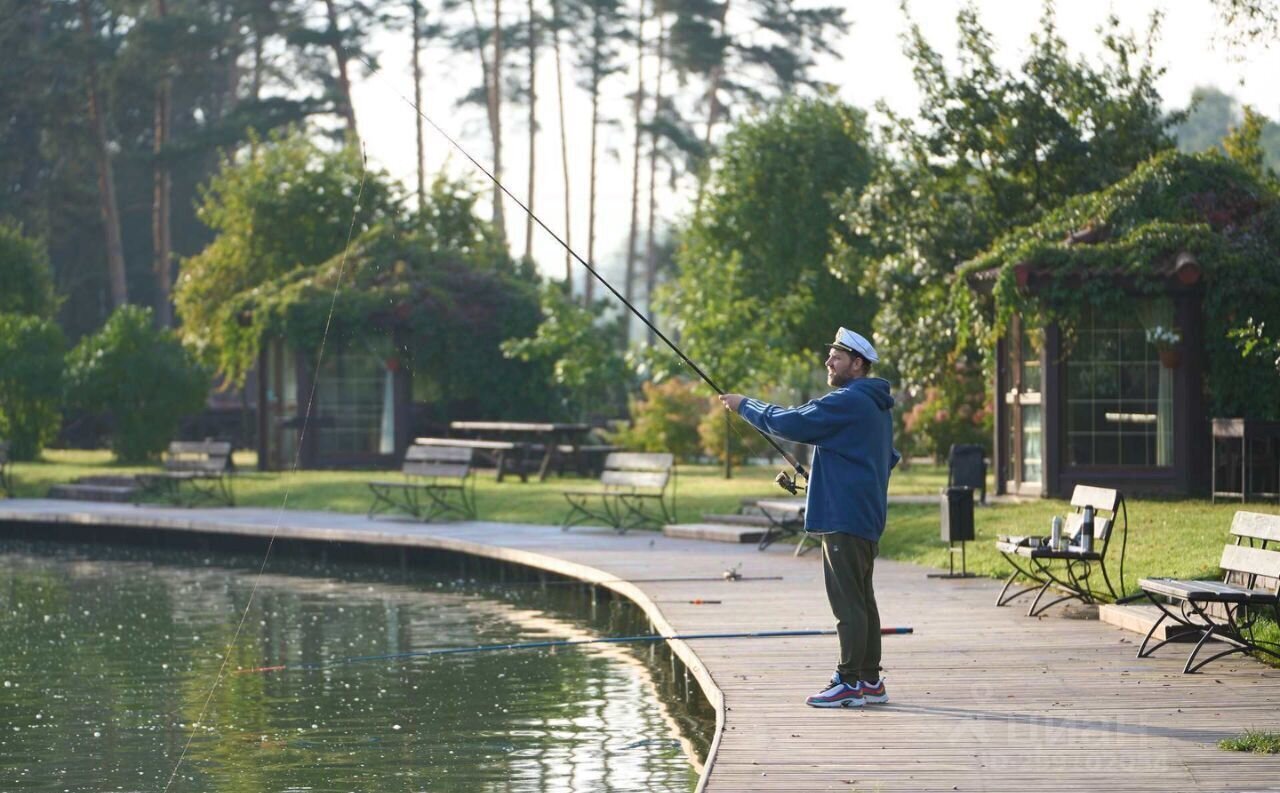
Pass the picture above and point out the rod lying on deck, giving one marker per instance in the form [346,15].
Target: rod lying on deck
[485,648]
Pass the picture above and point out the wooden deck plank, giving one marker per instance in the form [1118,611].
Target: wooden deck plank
[984,698]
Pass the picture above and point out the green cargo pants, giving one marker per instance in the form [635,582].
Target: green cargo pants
[847,565]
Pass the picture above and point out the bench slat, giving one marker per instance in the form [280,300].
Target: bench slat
[438,454]
[1101,526]
[462,443]
[211,448]
[1100,498]
[417,468]
[640,461]
[1254,561]
[1215,591]
[652,479]
[1256,526]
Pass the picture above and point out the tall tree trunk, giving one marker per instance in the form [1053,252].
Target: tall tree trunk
[417,105]
[713,103]
[533,128]
[345,106]
[106,174]
[491,107]
[650,245]
[162,183]
[499,217]
[588,293]
[629,280]
[564,149]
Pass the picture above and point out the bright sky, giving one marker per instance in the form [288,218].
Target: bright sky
[873,68]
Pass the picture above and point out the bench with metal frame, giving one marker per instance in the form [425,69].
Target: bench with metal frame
[633,493]
[200,469]
[1067,569]
[6,478]
[1225,610]
[437,481]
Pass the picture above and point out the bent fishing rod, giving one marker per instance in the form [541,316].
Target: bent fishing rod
[784,480]
[488,648]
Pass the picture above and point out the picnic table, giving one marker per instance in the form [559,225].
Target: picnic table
[556,441]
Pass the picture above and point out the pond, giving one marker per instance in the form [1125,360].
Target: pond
[109,657]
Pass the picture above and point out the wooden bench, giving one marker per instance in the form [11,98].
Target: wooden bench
[633,493]
[1225,610]
[1069,567]
[6,482]
[201,469]
[508,456]
[437,481]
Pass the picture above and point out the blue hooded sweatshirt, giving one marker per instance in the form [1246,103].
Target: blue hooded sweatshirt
[852,432]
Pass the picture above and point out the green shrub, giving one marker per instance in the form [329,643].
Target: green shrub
[139,375]
[31,351]
[665,419]
[24,271]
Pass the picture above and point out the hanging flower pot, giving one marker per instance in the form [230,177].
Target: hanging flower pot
[1170,359]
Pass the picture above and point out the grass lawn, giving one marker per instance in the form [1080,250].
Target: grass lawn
[1166,537]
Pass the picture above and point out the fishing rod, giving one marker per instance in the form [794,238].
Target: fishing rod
[488,648]
[784,480]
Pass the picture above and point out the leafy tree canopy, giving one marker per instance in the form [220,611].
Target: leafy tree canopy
[31,351]
[754,293]
[141,376]
[24,271]
[293,205]
[1217,209]
[992,150]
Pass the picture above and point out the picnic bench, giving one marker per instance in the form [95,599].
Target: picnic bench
[633,493]
[201,469]
[1225,610]
[539,445]
[437,481]
[507,456]
[6,483]
[1068,567]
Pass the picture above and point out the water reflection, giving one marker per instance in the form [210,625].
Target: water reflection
[109,659]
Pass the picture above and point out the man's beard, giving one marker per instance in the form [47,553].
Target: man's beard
[838,381]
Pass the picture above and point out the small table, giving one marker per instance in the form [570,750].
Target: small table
[1248,431]
[549,435]
[786,516]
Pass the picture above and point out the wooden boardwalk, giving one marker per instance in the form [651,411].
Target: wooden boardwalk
[982,698]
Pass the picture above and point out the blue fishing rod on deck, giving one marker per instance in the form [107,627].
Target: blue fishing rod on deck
[487,648]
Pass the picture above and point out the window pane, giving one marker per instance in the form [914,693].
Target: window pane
[1119,409]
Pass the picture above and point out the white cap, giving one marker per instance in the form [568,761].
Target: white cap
[849,341]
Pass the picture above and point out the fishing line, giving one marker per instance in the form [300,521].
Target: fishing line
[377,73]
[487,648]
[297,452]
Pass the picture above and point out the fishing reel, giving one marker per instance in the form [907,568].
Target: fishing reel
[787,483]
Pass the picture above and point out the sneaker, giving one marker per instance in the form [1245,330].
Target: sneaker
[837,695]
[873,693]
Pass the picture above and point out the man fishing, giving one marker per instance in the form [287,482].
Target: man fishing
[851,431]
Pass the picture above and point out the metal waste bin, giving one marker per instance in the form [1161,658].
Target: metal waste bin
[957,514]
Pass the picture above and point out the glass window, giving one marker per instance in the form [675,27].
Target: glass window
[353,393]
[1119,399]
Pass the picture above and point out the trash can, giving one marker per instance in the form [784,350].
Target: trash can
[957,514]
